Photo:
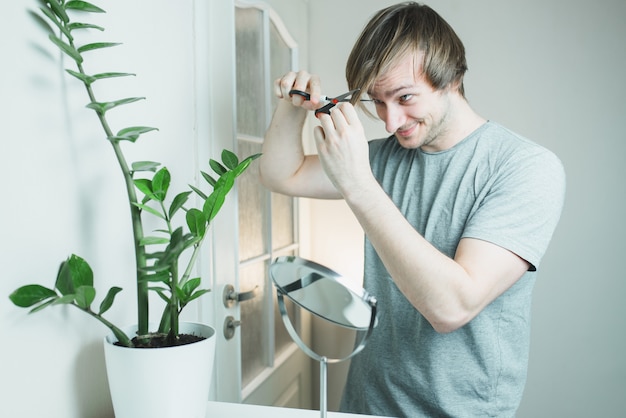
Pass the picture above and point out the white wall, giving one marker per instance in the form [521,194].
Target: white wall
[65,196]
[552,71]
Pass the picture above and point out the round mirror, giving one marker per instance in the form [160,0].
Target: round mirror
[323,292]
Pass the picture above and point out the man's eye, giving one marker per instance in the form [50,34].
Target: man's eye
[405,98]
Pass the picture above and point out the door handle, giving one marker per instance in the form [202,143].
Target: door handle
[230,296]
[229,327]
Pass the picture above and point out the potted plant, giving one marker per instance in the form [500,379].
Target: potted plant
[164,258]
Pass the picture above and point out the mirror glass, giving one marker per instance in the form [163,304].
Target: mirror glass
[322,292]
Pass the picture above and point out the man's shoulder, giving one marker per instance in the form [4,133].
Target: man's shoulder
[504,141]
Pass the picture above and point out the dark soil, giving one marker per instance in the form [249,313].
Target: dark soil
[161,340]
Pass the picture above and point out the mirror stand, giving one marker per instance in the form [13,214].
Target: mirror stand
[327,295]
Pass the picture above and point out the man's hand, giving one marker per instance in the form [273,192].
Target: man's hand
[343,149]
[303,81]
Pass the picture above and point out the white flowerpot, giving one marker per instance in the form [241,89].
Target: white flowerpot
[161,382]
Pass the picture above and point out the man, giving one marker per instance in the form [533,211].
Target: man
[457,213]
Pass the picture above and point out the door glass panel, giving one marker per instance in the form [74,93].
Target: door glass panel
[253,207]
[282,221]
[280,57]
[251,117]
[254,341]
[283,339]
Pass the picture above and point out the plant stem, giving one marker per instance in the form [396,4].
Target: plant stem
[192,262]
[174,301]
[135,212]
[122,338]
[140,250]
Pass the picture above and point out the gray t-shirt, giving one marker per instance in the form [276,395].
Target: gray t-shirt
[494,186]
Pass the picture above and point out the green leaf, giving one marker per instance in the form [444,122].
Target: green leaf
[213,204]
[102,76]
[178,203]
[73,273]
[197,294]
[145,166]
[208,178]
[187,292]
[85,295]
[90,79]
[190,286]
[196,221]
[64,300]
[151,210]
[58,10]
[157,255]
[161,276]
[58,23]
[68,49]
[144,186]
[216,200]
[103,107]
[97,45]
[132,133]
[178,244]
[241,167]
[153,240]
[77,25]
[190,241]
[86,79]
[157,268]
[226,182]
[107,302]
[43,305]
[51,16]
[83,6]
[198,192]
[161,292]
[229,159]
[160,184]
[217,167]
[182,298]
[30,295]
[244,164]
[254,156]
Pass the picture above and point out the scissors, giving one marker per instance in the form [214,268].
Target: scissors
[332,101]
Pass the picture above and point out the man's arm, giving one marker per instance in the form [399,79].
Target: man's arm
[449,292]
[284,168]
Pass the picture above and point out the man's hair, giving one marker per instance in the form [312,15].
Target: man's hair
[398,31]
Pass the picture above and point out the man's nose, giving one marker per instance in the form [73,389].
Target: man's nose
[393,117]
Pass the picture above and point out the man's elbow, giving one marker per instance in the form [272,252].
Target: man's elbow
[272,182]
[450,321]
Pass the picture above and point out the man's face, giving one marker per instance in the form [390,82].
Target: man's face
[411,109]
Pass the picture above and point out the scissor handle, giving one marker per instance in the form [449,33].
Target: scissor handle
[325,109]
[304,94]
[307,96]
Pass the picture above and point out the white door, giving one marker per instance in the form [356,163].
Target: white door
[246,47]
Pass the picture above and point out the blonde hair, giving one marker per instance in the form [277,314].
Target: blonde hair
[397,31]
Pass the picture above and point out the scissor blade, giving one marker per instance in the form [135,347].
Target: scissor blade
[342,97]
[334,101]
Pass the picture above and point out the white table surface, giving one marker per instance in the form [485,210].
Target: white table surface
[235,410]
